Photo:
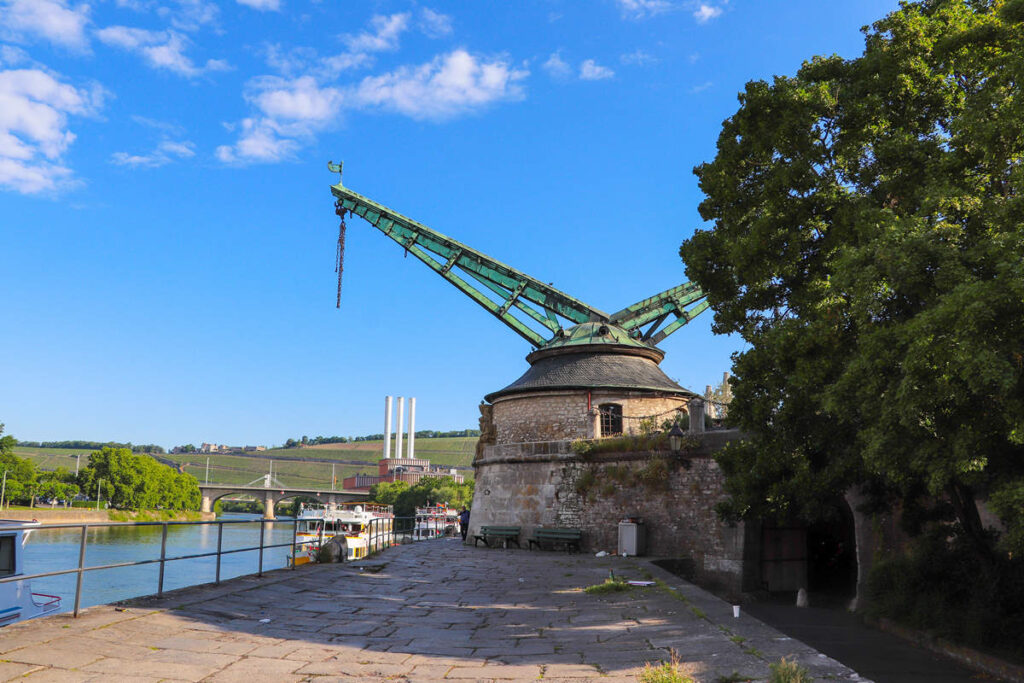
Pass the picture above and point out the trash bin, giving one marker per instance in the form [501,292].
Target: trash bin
[632,537]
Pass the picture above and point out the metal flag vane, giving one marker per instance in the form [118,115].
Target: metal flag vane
[503,290]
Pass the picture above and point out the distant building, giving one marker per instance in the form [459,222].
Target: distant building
[409,470]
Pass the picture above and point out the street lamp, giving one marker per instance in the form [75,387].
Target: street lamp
[675,442]
[675,438]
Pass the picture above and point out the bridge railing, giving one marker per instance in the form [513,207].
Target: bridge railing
[82,568]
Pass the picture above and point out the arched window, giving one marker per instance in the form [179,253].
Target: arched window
[611,419]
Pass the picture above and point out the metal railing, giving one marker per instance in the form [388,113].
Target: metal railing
[81,569]
[382,533]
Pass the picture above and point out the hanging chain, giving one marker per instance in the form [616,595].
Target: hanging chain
[339,261]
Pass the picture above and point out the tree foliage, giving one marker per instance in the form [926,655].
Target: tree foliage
[21,473]
[867,242]
[406,498]
[138,482]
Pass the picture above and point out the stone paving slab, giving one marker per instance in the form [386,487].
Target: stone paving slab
[432,611]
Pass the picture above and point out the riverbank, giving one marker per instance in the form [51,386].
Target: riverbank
[82,515]
[437,610]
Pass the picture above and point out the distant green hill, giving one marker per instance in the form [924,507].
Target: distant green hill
[301,467]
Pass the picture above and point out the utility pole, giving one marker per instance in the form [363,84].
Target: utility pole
[99,486]
[78,461]
[332,476]
[207,481]
[3,490]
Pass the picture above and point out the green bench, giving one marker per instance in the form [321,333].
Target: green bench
[504,533]
[570,538]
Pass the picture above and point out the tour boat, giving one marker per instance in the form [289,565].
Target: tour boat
[364,526]
[435,521]
[17,601]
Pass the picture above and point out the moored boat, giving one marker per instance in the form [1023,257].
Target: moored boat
[362,525]
[17,601]
[435,521]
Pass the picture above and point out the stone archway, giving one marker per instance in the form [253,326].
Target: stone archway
[819,556]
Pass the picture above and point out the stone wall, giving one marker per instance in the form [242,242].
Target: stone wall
[552,415]
[564,489]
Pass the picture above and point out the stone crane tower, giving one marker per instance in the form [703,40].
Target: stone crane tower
[591,374]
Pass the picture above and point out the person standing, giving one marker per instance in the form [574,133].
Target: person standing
[464,522]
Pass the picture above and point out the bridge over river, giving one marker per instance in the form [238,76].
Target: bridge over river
[271,496]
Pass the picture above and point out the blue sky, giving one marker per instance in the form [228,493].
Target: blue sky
[167,233]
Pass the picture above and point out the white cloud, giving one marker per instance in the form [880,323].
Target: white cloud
[334,65]
[262,5]
[701,88]
[705,13]
[386,32]
[53,20]
[637,9]
[12,56]
[289,112]
[638,57]
[434,24]
[592,71]
[161,49]
[34,108]
[163,126]
[297,101]
[258,142]
[450,85]
[557,67]
[166,152]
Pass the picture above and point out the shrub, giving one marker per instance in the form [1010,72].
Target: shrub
[610,585]
[785,671]
[946,588]
[655,474]
[666,672]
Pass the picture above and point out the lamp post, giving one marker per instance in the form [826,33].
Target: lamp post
[3,490]
[675,438]
[675,442]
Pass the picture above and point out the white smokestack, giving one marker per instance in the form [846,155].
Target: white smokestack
[412,427]
[400,427]
[387,427]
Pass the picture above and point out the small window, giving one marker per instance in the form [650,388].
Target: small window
[6,555]
[611,419]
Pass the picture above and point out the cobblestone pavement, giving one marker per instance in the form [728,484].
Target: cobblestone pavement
[436,610]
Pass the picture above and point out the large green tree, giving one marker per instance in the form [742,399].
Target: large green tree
[138,482]
[868,243]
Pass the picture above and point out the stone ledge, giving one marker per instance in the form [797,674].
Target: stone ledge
[974,659]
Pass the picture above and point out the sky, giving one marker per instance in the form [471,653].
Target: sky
[167,233]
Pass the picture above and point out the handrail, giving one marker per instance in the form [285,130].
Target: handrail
[382,533]
[163,559]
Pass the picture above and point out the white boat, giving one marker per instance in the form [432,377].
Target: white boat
[17,601]
[363,525]
[435,521]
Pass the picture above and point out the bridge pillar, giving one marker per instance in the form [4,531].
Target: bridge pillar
[268,505]
[207,504]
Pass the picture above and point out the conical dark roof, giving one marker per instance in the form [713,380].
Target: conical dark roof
[592,367]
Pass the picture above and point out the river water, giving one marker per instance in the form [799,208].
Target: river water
[55,549]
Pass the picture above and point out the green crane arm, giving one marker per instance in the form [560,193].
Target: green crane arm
[442,254]
[656,310]
[500,288]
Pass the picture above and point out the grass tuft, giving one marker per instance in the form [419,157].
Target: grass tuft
[610,585]
[786,671]
[666,672]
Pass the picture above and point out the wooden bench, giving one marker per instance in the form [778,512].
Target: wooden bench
[505,533]
[570,538]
